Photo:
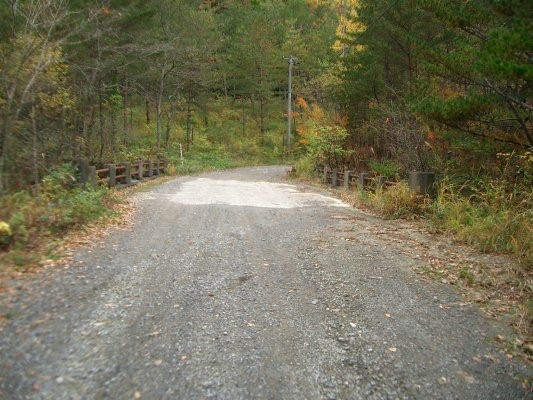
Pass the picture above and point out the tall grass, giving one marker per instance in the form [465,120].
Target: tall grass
[395,201]
[487,214]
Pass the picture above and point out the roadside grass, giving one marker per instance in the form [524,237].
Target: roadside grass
[395,202]
[35,224]
[489,216]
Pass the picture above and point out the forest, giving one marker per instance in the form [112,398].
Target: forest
[386,86]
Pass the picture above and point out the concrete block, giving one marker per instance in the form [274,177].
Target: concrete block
[422,183]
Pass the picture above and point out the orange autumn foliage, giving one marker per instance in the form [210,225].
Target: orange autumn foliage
[302,103]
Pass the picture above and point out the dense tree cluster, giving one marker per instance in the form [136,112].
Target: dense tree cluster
[454,76]
[76,75]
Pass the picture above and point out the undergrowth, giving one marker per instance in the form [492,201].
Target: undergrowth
[395,202]
[31,221]
[487,214]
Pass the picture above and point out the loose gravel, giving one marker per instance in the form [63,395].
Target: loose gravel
[235,285]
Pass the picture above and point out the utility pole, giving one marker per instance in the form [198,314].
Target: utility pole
[291,60]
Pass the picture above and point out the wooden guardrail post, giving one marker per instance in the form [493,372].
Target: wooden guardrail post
[150,169]
[140,169]
[91,180]
[112,182]
[379,181]
[86,172]
[361,180]
[422,183]
[326,170]
[346,179]
[127,172]
[334,177]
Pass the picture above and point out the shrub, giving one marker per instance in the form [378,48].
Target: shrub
[305,166]
[6,235]
[60,206]
[387,168]
[326,145]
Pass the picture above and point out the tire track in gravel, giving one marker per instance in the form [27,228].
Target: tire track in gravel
[293,298]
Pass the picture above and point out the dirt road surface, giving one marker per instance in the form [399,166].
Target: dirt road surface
[235,285]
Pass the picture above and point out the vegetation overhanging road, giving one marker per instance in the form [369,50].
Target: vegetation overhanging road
[233,285]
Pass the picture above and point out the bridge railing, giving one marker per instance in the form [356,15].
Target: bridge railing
[419,182]
[123,174]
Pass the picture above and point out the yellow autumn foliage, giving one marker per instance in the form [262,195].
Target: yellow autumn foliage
[5,229]
[348,23]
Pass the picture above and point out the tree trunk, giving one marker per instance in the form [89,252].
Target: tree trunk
[243,121]
[159,112]
[189,135]
[113,131]
[4,183]
[34,152]
[147,104]
[100,121]
[189,113]
[125,109]
[167,134]
[262,115]
[261,104]
[225,87]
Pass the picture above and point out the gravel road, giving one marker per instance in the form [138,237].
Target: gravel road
[235,285]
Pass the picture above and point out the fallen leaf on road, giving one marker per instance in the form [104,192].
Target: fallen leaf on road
[40,321]
[183,358]
[157,363]
[154,334]
[490,357]
[393,349]
[36,387]
[388,315]
[476,359]
[137,395]
[467,377]
[442,380]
